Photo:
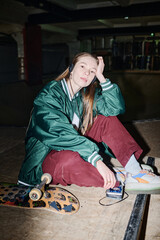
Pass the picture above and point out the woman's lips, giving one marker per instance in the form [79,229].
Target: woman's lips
[84,79]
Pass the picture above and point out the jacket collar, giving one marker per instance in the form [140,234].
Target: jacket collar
[66,89]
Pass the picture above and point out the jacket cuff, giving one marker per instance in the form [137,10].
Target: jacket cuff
[107,85]
[94,158]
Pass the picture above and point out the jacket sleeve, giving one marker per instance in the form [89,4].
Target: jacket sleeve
[53,128]
[110,102]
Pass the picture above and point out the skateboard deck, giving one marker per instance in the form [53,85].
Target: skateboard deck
[54,198]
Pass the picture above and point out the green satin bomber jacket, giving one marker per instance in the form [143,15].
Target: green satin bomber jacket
[51,125]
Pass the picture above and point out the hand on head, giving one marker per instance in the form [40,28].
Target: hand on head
[100,69]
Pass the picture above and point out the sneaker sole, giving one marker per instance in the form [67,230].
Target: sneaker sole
[143,191]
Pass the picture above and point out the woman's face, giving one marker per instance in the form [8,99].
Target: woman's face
[83,72]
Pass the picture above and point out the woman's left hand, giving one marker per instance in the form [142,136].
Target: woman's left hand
[100,69]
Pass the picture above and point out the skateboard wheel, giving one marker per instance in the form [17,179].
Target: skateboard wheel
[47,176]
[35,194]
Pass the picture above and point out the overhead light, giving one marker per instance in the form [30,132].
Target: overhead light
[152,34]
[126,18]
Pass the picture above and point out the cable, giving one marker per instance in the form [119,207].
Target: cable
[107,205]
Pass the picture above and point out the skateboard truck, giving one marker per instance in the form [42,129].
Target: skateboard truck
[36,193]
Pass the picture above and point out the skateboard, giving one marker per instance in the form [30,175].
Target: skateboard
[42,196]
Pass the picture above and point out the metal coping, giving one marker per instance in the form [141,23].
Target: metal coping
[135,222]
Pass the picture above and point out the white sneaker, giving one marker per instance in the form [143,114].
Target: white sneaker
[145,182]
[121,172]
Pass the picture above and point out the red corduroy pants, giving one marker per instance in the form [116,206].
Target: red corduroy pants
[67,167]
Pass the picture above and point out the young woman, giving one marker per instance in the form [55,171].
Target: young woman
[71,115]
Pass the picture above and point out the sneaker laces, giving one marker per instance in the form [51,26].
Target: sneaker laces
[148,172]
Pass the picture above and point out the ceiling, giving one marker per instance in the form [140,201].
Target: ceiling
[71,19]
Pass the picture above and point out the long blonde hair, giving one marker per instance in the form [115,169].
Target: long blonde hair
[88,94]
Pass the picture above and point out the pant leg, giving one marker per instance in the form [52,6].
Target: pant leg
[67,167]
[111,131]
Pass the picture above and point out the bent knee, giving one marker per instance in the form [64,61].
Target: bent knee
[70,157]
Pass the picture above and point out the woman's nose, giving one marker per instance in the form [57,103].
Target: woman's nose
[87,72]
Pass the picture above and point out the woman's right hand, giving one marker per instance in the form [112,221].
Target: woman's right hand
[107,174]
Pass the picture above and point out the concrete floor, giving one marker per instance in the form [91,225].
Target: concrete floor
[93,221]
